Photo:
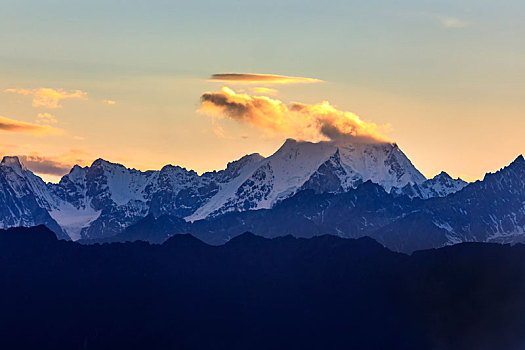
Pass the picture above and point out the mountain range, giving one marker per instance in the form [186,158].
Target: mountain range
[348,187]
[491,210]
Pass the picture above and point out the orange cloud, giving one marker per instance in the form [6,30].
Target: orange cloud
[44,165]
[301,121]
[54,165]
[11,125]
[46,118]
[49,98]
[109,102]
[251,78]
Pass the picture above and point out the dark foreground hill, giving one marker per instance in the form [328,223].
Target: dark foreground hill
[255,293]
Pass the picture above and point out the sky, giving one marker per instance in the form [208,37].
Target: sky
[131,81]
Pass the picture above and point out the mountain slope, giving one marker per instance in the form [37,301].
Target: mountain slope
[333,166]
[103,199]
[24,198]
[492,210]
[488,210]
[440,185]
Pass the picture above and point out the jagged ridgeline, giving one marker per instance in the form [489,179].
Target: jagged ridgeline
[304,189]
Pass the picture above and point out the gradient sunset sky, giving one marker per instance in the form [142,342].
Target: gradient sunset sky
[123,80]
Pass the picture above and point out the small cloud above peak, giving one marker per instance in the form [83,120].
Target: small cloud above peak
[54,166]
[252,78]
[318,122]
[44,165]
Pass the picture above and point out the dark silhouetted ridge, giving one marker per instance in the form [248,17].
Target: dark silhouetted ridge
[295,293]
[28,235]
[184,241]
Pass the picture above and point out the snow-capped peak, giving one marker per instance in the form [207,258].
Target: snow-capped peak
[443,176]
[349,160]
[13,162]
[381,162]
[440,185]
[102,163]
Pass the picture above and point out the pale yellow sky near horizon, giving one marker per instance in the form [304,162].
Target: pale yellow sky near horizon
[434,136]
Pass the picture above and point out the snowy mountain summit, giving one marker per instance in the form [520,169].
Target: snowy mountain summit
[440,185]
[103,199]
[328,166]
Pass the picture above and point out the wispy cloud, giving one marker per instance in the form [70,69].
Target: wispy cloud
[44,165]
[109,102]
[54,165]
[301,121]
[451,22]
[46,118]
[49,98]
[252,78]
[11,125]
